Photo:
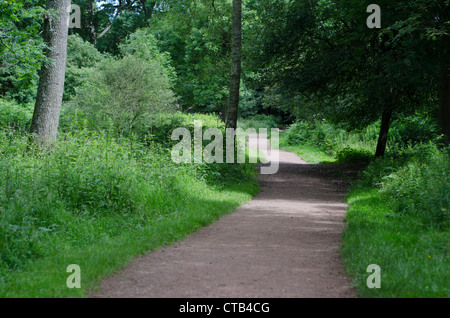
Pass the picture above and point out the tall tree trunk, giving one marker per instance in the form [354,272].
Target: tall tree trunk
[91,26]
[148,10]
[444,92]
[51,78]
[235,80]
[384,130]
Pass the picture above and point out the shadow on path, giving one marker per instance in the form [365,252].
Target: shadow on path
[283,243]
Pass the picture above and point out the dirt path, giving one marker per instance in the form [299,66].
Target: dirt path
[284,243]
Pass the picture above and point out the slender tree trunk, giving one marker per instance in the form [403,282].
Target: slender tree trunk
[384,130]
[148,11]
[235,80]
[444,94]
[91,26]
[51,78]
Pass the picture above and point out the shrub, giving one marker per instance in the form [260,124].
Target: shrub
[413,130]
[124,93]
[416,180]
[161,126]
[81,56]
[349,154]
[421,188]
[259,121]
[15,116]
[298,133]
[90,186]
[335,141]
[159,133]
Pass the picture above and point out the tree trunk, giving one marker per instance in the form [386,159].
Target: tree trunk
[235,80]
[51,78]
[149,11]
[444,94]
[91,26]
[384,130]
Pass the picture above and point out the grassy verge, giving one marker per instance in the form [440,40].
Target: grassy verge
[310,153]
[399,219]
[414,259]
[97,201]
[46,277]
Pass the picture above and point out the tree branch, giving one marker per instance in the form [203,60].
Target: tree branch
[120,8]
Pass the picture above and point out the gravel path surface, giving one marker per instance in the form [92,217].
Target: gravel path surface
[282,244]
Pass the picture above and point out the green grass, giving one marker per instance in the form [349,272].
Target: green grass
[97,201]
[310,153]
[313,145]
[259,121]
[414,259]
[46,277]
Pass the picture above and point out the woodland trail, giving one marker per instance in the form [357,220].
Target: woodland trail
[282,244]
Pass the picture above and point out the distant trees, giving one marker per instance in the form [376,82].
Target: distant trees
[106,23]
[323,55]
[309,59]
[197,35]
[21,48]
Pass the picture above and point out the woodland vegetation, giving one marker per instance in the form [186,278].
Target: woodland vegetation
[86,118]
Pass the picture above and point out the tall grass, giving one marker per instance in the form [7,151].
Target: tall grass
[97,200]
[399,219]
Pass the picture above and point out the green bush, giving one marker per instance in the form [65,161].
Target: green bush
[297,133]
[16,117]
[416,180]
[421,188]
[161,126]
[349,154]
[344,145]
[413,130]
[159,132]
[81,56]
[122,94]
[259,121]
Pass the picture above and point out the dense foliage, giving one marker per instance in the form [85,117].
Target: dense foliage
[137,70]
[54,199]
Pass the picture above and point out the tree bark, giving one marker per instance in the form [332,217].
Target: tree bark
[91,26]
[51,78]
[235,80]
[444,94]
[384,130]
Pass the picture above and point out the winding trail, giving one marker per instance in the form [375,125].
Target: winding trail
[282,244]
